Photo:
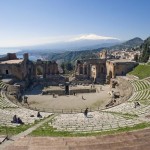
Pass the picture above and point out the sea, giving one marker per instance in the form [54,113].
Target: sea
[31,57]
[4,51]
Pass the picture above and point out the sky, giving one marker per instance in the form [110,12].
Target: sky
[33,22]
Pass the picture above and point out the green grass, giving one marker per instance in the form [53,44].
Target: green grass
[47,130]
[18,129]
[141,71]
[124,115]
[145,101]
[13,130]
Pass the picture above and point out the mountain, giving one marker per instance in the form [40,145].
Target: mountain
[129,44]
[78,45]
[74,55]
[145,47]
[63,43]
[71,55]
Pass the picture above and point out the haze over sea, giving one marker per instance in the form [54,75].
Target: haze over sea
[4,51]
[8,50]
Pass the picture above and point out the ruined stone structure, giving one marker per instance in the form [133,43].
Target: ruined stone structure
[119,68]
[24,69]
[46,68]
[102,69]
[103,54]
[19,73]
[94,69]
[12,67]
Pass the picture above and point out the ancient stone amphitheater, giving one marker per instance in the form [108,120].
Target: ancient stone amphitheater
[124,117]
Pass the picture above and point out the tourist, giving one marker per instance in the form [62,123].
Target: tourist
[19,121]
[39,115]
[53,95]
[136,104]
[86,112]
[83,97]
[25,100]
[100,88]
[14,119]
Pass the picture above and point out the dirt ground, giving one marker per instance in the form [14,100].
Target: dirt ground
[68,102]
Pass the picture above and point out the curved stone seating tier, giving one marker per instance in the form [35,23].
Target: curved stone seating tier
[25,115]
[141,91]
[122,115]
[113,118]
[9,109]
[140,95]
[148,79]
[3,85]
[96,121]
[129,108]
[4,102]
[141,85]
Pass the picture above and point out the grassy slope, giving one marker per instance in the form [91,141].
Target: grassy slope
[141,71]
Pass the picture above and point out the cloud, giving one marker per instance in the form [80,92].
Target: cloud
[50,40]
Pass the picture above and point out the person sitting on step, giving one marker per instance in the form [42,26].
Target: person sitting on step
[19,121]
[14,119]
[39,115]
[136,104]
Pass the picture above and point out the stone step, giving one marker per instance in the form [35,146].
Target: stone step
[36,140]
[113,146]
[109,139]
[135,147]
[48,148]
[87,144]
[16,148]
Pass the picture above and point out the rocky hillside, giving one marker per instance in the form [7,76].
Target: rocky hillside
[72,56]
[129,44]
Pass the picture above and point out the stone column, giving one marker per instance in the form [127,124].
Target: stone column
[87,68]
[90,66]
[78,69]
[83,69]
[113,71]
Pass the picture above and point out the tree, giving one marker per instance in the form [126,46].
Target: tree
[69,66]
[145,50]
[63,67]
[136,58]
